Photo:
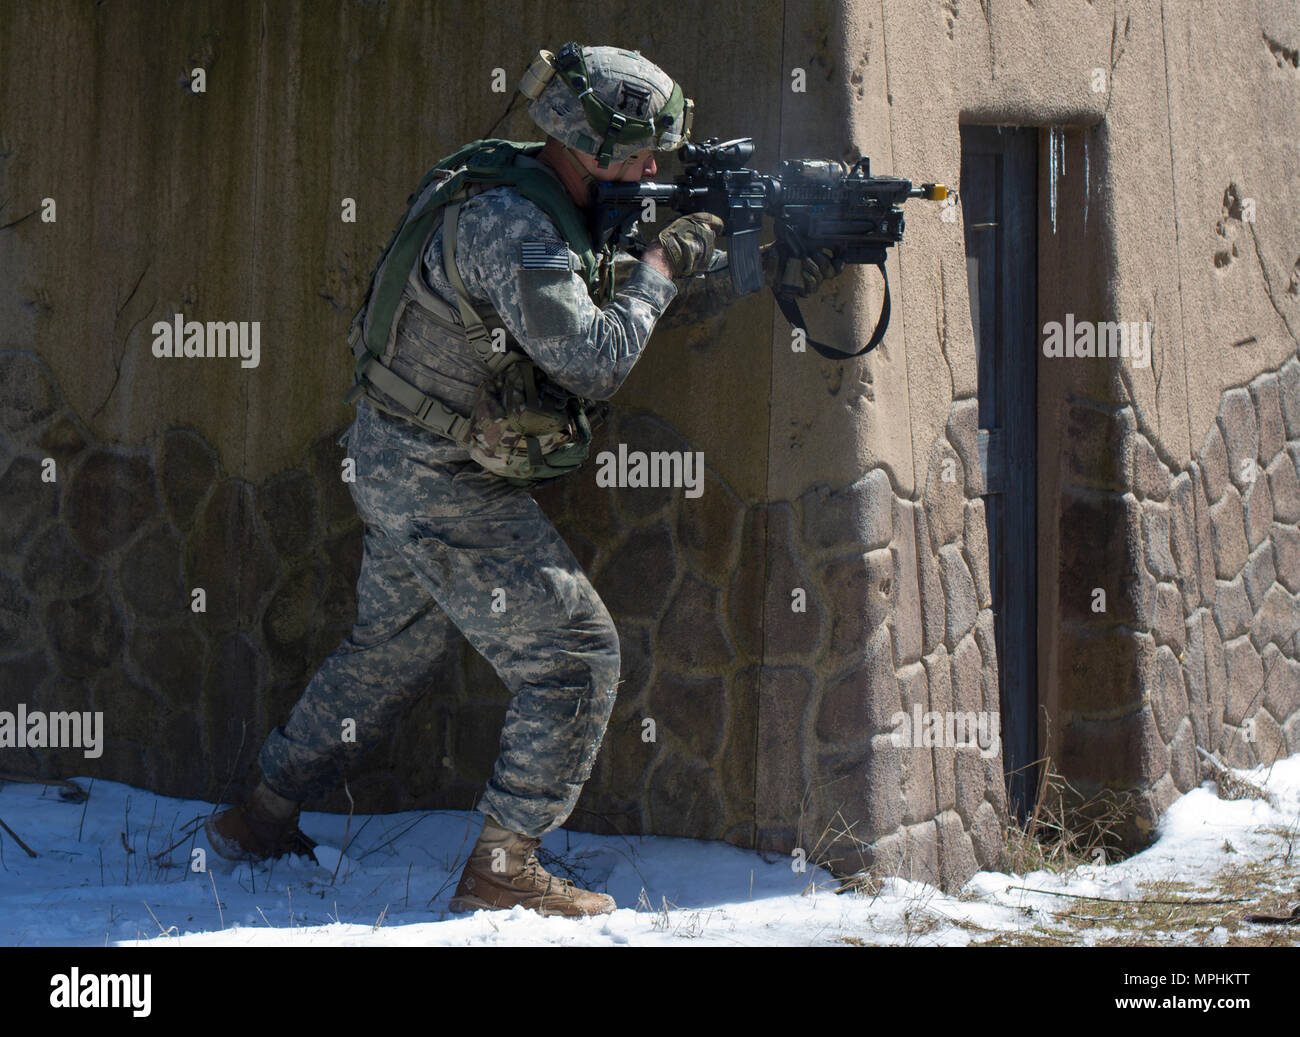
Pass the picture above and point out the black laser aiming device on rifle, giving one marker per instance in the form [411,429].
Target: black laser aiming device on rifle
[814,204]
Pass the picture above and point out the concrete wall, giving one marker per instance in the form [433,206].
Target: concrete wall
[773,725]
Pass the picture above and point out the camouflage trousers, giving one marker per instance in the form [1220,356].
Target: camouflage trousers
[448,543]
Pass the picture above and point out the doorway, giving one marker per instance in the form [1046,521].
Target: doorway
[999,196]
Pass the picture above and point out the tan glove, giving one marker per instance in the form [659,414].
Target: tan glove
[688,242]
[803,277]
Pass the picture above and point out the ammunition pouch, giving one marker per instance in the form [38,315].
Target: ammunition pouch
[525,429]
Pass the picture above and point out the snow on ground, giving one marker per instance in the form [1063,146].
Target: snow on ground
[103,877]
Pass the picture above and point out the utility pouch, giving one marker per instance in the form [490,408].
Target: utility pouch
[527,430]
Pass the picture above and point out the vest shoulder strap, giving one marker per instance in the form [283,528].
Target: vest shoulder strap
[484,163]
[541,187]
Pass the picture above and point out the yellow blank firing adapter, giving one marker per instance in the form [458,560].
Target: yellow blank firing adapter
[935,192]
[538,75]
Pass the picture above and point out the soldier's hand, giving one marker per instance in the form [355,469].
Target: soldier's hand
[803,277]
[688,242]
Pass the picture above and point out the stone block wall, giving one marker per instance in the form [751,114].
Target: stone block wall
[772,724]
[1201,571]
[101,549]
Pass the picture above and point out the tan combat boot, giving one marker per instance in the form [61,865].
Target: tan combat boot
[519,879]
[264,826]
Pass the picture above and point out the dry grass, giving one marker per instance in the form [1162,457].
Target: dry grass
[1232,786]
[1067,829]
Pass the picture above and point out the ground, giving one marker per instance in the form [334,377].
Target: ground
[117,868]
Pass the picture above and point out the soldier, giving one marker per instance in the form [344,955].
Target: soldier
[442,473]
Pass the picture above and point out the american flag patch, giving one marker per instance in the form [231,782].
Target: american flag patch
[545,255]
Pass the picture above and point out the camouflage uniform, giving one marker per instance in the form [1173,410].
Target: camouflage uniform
[444,539]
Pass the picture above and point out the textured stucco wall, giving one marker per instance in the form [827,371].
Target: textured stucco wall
[226,205]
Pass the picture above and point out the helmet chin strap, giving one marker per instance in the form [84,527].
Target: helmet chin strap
[579,168]
[582,171]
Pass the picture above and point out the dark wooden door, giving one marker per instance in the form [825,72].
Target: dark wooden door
[999,196]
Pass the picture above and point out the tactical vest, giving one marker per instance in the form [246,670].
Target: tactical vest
[521,426]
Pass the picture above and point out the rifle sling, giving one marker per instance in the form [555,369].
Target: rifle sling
[790,309]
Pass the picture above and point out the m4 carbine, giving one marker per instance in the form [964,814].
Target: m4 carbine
[814,204]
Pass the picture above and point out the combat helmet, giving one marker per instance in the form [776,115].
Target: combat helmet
[606,102]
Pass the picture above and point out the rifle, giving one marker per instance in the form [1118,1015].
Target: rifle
[814,204]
